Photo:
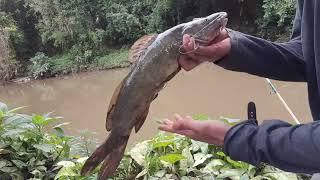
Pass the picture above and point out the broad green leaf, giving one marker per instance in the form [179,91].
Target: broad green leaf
[236,163]
[171,158]
[244,177]
[139,152]
[270,169]
[251,171]
[189,161]
[19,164]
[2,164]
[225,173]
[281,176]
[13,132]
[171,176]
[160,173]
[3,107]
[17,119]
[59,131]
[213,166]
[221,154]
[66,172]
[66,163]
[195,171]
[208,177]
[9,169]
[200,158]
[38,120]
[1,115]
[42,121]
[82,160]
[161,144]
[32,161]
[45,147]
[41,162]
[197,145]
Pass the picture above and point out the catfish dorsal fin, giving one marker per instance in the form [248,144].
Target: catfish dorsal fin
[140,46]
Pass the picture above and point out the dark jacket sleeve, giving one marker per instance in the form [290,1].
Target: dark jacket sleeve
[280,61]
[280,144]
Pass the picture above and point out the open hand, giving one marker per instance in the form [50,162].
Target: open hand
[212,132]
[217,49]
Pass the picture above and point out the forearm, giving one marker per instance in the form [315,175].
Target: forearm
[290,148]
[281,61]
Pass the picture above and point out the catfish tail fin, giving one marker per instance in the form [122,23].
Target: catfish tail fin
[110,151]
[111,162]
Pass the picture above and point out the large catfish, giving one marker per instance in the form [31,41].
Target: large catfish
[156,64]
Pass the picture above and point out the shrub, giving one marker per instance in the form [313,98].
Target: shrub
[277,18]
[29,151]
[40,66]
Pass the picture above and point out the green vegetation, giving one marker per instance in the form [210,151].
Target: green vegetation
[42,38]
[35,147]
[44,66]
[177,157]
[30,147]
[277,20]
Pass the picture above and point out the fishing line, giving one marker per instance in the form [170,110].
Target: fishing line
[283,101]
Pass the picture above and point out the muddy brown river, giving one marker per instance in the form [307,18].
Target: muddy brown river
[82,99]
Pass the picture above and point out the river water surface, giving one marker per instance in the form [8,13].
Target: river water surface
[82,99]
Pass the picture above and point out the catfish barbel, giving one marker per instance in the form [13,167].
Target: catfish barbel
[156,63]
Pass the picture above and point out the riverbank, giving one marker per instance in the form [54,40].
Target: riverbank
[45,67]
[42,67]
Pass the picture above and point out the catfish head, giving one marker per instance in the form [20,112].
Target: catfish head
[205,30]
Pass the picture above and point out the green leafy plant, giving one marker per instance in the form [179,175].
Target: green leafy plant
[27,151]
[168,156]
[40,66]
[277,18]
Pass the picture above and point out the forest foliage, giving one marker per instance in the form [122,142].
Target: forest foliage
[50,37]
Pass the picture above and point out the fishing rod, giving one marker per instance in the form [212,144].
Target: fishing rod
[283,101]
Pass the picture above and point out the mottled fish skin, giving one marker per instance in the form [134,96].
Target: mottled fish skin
[156,66]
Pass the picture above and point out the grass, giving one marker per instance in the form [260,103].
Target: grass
[115,59]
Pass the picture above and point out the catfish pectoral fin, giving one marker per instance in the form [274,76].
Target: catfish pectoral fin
[111,162]
[141,120]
